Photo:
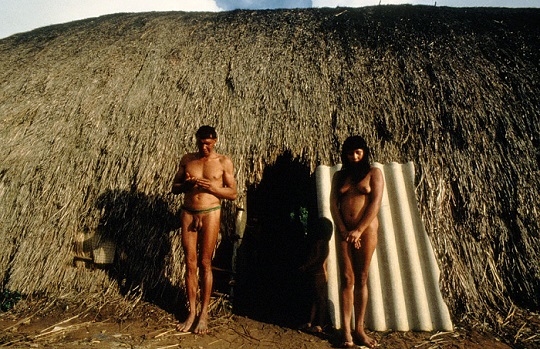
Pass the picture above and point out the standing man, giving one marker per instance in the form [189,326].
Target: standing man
[205,177]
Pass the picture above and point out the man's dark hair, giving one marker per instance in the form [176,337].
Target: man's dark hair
[205,132]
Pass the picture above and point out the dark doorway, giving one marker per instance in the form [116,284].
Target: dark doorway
[270,286]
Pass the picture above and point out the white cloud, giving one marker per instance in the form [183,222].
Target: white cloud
[23,15]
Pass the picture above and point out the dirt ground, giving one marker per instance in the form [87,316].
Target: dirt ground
[64,326]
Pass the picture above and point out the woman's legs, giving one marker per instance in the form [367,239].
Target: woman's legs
[362,261]
[347,291]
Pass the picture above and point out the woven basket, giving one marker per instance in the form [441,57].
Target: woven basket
[104,252]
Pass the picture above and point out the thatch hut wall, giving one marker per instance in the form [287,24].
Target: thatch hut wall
[95,115]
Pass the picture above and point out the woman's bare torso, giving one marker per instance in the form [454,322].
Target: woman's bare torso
[353,199]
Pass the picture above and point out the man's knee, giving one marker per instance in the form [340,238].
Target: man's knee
[191,262]
[205,265]
[191,267]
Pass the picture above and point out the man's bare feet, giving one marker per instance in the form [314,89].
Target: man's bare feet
[202,326]
[186,325]
[362,338]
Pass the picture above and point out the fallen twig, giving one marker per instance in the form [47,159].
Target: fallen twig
[181,333]
[164,333]
[59,329]
[61,322]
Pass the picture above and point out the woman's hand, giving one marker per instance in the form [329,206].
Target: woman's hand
[354,237]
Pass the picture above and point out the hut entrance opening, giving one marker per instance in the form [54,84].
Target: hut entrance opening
[270,286]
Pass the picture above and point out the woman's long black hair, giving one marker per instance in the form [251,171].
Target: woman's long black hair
[356,171]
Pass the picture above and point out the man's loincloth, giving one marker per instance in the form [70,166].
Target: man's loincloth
[197,220]
[206,210]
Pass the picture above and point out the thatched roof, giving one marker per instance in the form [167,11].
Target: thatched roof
[95,114]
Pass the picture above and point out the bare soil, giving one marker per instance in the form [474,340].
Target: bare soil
[148,326]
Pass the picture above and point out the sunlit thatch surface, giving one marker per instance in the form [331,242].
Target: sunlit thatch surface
[96,113]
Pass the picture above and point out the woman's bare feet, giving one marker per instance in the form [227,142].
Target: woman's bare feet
[347,341]
[347,344]
[362,338]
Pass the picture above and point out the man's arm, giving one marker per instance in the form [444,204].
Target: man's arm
[229,191]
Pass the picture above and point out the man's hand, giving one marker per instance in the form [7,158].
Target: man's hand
[190,182]
[205,184]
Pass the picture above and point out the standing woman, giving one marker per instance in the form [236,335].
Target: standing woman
[355,201]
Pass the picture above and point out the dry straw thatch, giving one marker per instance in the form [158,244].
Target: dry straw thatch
[95,114]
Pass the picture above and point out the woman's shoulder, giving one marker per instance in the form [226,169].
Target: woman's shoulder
[376,176]
[375,170]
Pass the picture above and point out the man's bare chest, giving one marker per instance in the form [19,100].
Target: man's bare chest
[209,169]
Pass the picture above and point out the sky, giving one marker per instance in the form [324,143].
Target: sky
[17,16]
